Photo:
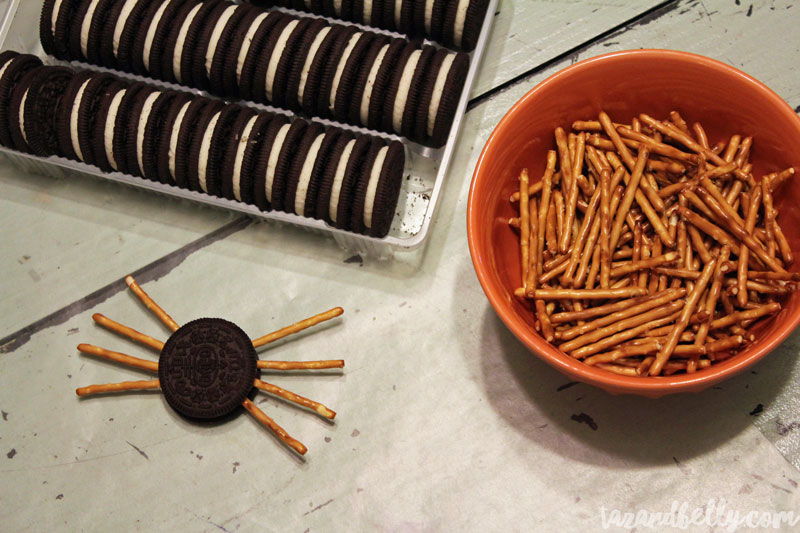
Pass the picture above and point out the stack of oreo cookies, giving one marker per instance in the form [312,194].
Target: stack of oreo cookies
[351,181]
[302,64]
[453,23]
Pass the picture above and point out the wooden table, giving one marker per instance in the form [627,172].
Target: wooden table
[445,421]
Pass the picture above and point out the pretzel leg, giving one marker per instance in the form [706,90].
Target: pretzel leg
[295,398]
[118,387]
[119,357]
[300,326]
[150,304]
[301,365]
[131,333]
[270,424]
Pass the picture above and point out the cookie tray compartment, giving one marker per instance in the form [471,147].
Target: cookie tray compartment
[424,176]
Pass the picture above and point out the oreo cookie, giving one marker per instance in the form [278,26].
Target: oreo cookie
[251,54]
[38,110]
[301,166]
[185,49]
[365,79]
[67,116]
[344,143]
[54,27]
[426,94]
[313,35]
[289,151]
[169,59]
[198,135]
[437,16]
[383,189]
[89,106]
[182,160]
[311,175]
[402,72]
[356,223]
[290,56]
[343,90]
[240,41]
[346,37]
[210,175]
[446,93]
[165,151]
[217,63]
[212,40]
[236,174]
[13,67]
[408,118]
[343,185]
[207,368]
[102,134]
[317,60]
[155,39]
[372,100]
[86,28]
[127,26]
[149,132]
[264,167]
[153,15]
[466,35]
[134,97]
[277,34]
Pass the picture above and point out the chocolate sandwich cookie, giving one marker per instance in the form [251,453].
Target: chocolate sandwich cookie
[316,62]
[290,56]
[382,191]
[313,35]
[149,45]
[468,30]
[343,85]
[250,56]
[39,107]
[275,40]
[185,49]
[13,67]
[356,223]
[446,93]
[311,174]
[149,132]
[437,14]
[365,78]
[122,114]
[207,368]
[371,12]
[218,62]
[86,28]
[210,175]
[201,132]
[112,31]
[54,27]
[371,111]
[188,127]
[266,158]
[67,116]
[289,152]
[87,108]
[145,35]
[16,116]
[138,114]
[408,117]
[102,132]
[345,38]
[399,86]
[398,15]
[328,172]
[240,39]
[212,45]
[170,55]
[128,26]
[340,189]
[307,151]
[420,133]
[236,174]
[173,118]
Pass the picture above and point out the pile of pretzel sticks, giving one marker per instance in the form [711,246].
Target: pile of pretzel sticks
[646,251]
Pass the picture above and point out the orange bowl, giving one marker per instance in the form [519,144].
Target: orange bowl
[625,84]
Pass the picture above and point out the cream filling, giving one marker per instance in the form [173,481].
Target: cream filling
[373,74]
[275,57]
[398,12]
[372,185]
[312,52]
[248,40]
[73,120]
[338,178]
[340,67]
[461,15]
[428,15]
[337,7]
[22,116]
[178,54]
[216,33]
[121,21]
[272,162]
[402,90]
[367,12]
[205,145]
[108,131]
[54,16]
[305,176]
[173,139]
[86,26]
[147,109]
[151,34]
[438,88]
[237,162]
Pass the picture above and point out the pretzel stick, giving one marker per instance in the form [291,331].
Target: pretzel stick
[150,304]
[698,244]
[632,311]
[583,234]
[782,176]
[743,152]
[683,321]
[638,141]
[533,189]
[773,276]
[588,254]
[553,273]
[558,205]
[715,193]
[774,233]
[300,365]
[624,351]
[700,134]
[617,369]
[675,188]
[119,357]
[712,230]
[299,326]
[544,320]
[588,294]
[635,266]
[270,424]
[118,387]
[733,146]
[131,333]
[611,131]
[709,306]
[676,134]
[295,398]
[533,247]
[544,208]
[524,225]
[614,340]
[605,227]
[748,314]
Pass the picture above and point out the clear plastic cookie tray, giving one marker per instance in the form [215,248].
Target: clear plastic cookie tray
[425,172]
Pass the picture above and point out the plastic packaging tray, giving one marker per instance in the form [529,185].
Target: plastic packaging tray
[423,179]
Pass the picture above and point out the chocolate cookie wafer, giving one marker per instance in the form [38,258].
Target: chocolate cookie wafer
[37,112]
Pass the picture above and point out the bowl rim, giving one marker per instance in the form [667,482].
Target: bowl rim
[550,353]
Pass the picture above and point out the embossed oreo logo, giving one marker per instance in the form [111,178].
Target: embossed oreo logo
[207,368]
